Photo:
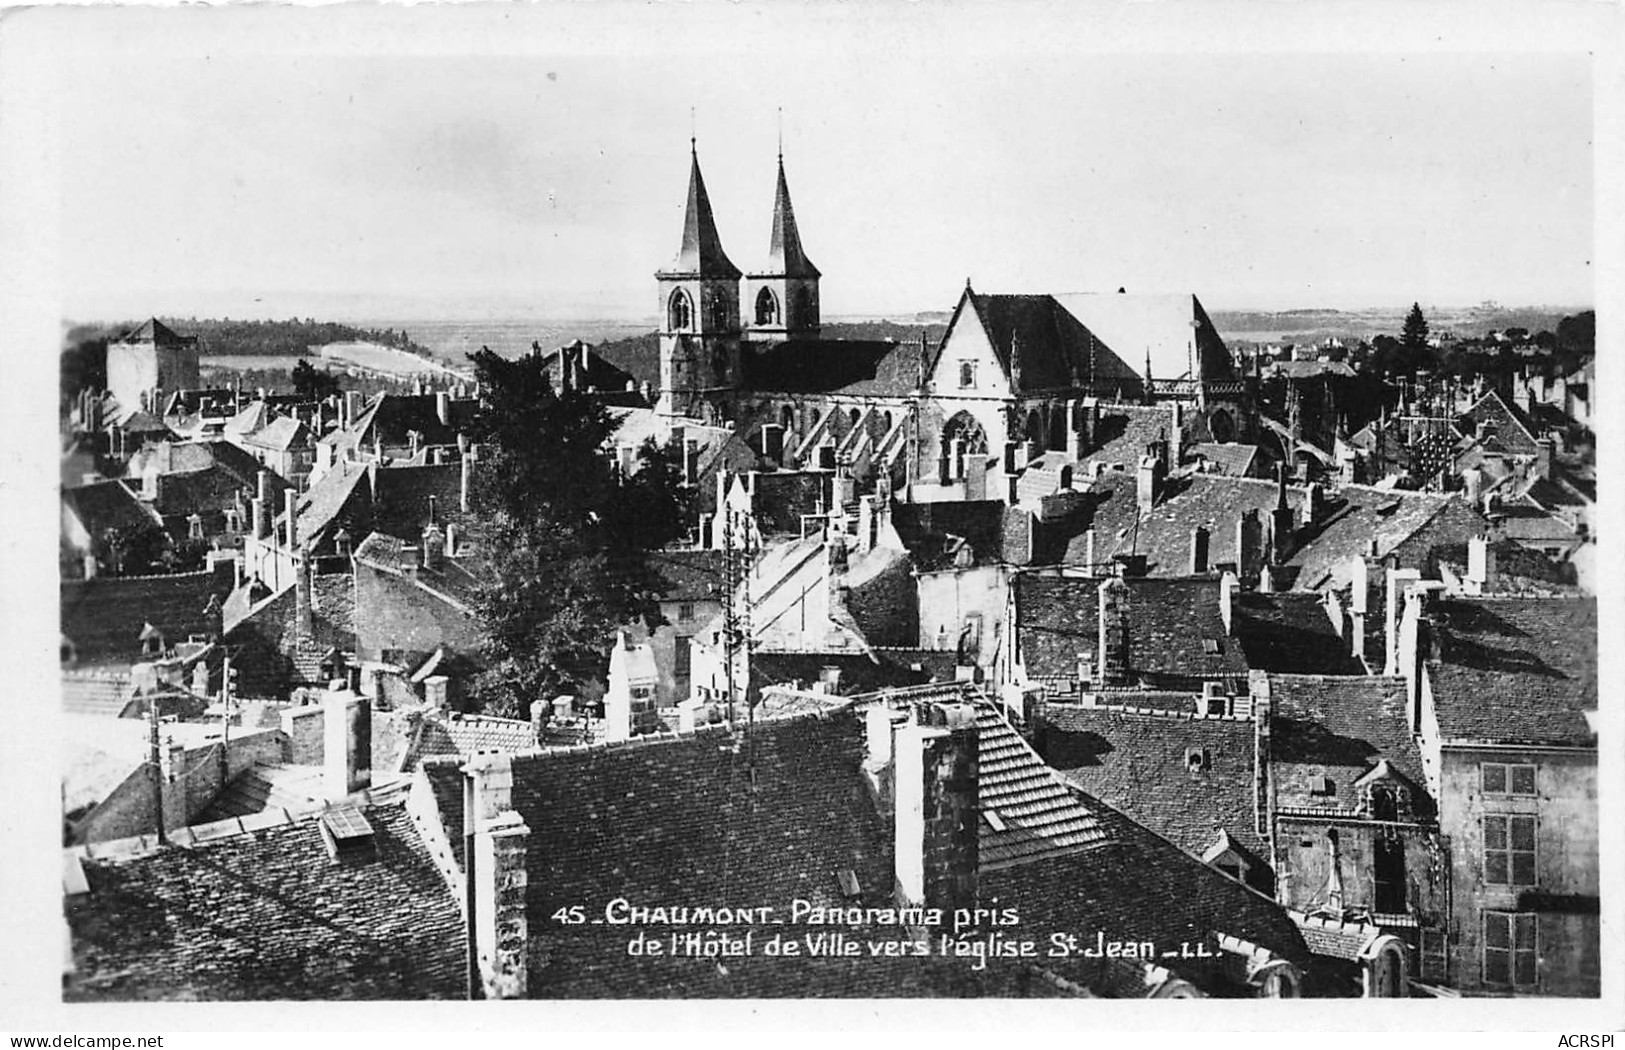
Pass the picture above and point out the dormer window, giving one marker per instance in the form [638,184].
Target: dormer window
[194,526]
[1324,787]
[1197,760]
[152,641]
[234,520]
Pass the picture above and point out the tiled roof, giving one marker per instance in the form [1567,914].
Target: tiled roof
[1515,670]
[95,693]
[282,433]
[1123,434]
[458,734]
[1513,429]
[1339,727]
[401,500]
[263,786]
[1169,622]
[851,367]
[1052,349]
[104,616]
[271,657]
[1041,818]
[938,534]
[108,505]
[1137,764]
[1232,459]
[667,820]
[251,418]
[341,498]
[1353,518]
[1334,938]
[267,914]
[1290,632]
[1173,329]
[453,581]
[601,376]
[690,574]
[1138,887]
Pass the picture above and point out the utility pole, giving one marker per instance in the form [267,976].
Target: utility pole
[155,761]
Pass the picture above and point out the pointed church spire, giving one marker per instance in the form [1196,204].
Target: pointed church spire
[784,254]
[702,253]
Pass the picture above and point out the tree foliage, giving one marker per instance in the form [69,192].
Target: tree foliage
[566,538]
[311,384]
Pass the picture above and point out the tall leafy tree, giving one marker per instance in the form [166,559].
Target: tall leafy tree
[565,537]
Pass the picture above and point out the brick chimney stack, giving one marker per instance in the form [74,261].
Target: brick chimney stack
[1394,595]
[1359,603]
[1282,524]
[1228,586]
[1199,550]
[470,458]
[1149,480]
[1113,661]
[291,502]
[936,809]
[1480,566]
[498,877]
[442,407]
[1249,544]
[346,744]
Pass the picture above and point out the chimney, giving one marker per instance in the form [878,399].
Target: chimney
[291,500]
[1089,549]
[470,457]
[437,692]
[1282,524]
[1480,566]
[346,744]
[497,876]
[260,524]
[265,492]
[451,539]
[1411,649]
[1199,550]
[1075,441]
[1176,436]
[352,406]
[1258,684]
[691,461]
[1113,629]
[1314,505]
[1150,480]
[434,547]
[1266,579]
[437,456]
[1228,586]
[1473,482]
[442,407]
[881,724]
[1542,467]
[936,810]
[1359,604]
[540,712]
[304,619]
[1398,580]
[866,523]
[1249,544]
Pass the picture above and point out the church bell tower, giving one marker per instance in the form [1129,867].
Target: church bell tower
[782,299]
[699,311]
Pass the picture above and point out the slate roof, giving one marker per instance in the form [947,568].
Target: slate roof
[104,616]
[251,418]
[179,457]
[1339,727]
[453,582]
[701,252]
[785,256]
[155,331]
[267,914]
[601,376]
[1515,670]
[860,672]
[1123,434]
[401,497]
[271,658]
[782,497]
[340,498]
[1137,763]
[1168,620]
[847,367]
[1290,632]
[1048,345]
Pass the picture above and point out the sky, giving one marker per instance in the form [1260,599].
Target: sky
[541,170]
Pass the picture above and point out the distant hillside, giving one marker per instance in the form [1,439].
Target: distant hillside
[1313,325]
[224,337]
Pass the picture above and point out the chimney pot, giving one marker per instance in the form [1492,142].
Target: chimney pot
[347,744]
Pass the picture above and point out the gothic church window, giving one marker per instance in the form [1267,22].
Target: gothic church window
[680,311]
[767,307]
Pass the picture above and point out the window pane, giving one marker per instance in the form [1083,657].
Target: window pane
[1495,778]
[1523,780]
[1497,931]
[1523,869]
[1495,967]
[1525,963]
[1523,833]
[1495,868]
[1524,928]
[1495,833]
